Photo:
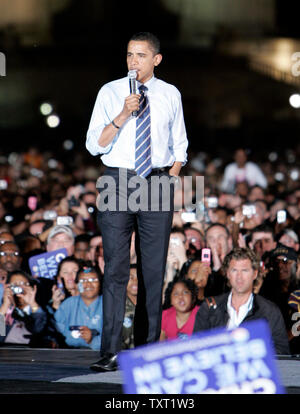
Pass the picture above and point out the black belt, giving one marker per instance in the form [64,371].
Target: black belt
[159,170]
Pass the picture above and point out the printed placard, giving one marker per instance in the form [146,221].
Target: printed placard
[219,361]
[46,264]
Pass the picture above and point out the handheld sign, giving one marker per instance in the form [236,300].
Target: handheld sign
[45,264]
[219,361]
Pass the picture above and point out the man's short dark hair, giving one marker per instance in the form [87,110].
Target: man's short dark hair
[147,37]
[217,225]
[263,228]
[10,243]
[85,238]
[189,226]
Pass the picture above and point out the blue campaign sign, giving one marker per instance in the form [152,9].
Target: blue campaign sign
[45,264]
[238,361]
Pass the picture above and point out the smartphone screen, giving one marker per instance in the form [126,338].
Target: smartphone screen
[205,256]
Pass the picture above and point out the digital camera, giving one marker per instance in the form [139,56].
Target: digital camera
[75,331]
[16,290]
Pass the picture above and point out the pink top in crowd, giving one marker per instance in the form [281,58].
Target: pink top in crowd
[169,324]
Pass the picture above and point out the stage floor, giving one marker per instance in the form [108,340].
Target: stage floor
[54,371]
[66,371]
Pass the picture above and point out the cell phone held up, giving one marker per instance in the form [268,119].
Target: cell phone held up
[206,256]
[281,216]
[64,221]
[73,202]
[32,202]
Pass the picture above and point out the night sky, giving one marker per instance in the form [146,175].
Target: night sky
[89,49]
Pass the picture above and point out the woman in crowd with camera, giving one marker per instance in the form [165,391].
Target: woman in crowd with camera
[25,320]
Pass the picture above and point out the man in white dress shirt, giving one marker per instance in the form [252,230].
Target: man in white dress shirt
[113,134]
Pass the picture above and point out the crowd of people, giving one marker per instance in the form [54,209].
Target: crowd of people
[249,208]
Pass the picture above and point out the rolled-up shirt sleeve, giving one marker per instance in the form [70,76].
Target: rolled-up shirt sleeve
[99,120]
[178,132]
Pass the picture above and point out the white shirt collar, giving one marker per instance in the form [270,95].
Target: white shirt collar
[148,83]
[235,319]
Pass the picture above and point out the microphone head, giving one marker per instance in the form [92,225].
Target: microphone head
[132,74]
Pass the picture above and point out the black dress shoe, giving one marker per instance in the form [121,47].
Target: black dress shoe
[106,364]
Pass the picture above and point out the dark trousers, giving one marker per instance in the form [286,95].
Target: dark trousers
[152,239]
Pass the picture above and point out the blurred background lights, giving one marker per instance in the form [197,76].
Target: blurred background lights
[290,156]
[53,121]
[294,174]
[52,163]
[273,156]
[279,176]
[46,108]
[68,144]
[13,158]
[295,100]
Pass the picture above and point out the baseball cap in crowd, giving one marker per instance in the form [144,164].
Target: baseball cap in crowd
[60,229]
[287,252]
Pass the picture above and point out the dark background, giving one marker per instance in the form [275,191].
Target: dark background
[226,104]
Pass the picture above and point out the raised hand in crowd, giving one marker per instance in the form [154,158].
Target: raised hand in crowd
[57,297]
[8,299]
[86,334]
[28,296]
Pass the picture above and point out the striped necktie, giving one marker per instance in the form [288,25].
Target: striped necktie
[143,136]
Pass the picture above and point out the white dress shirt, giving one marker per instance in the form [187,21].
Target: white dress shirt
[168,135]
[236,318]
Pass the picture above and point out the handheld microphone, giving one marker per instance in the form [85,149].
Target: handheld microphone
[132,86]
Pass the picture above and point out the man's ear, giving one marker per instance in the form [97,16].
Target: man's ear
[255,274]
[157,59]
